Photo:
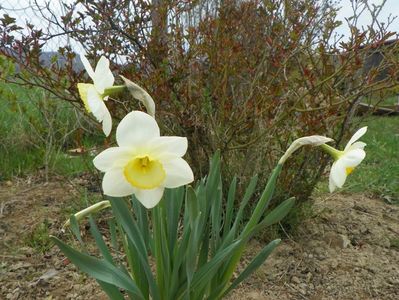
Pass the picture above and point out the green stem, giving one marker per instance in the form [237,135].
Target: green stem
[113,90]
[331,151]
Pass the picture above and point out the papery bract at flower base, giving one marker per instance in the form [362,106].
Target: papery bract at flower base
[346,160]
[312,140]
[93,94]
[145,163]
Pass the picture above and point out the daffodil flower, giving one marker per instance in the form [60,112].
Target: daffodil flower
[312,140]
[145,163]
[94,95]
[346,160]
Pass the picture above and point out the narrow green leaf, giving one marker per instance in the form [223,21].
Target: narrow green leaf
[238,218]
[277,214]
[173,199]
[192,250]
[263,201]
[204,275]
[253,265]
[142,220]
[112,230]
[75,229]
[230,206]
[98,269]
[249,191]
[111,290]
[178,259]
[216,214]
[99,241]
[161,247]
[192,206]
[124,217]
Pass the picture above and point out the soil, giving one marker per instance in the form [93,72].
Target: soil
[349,249]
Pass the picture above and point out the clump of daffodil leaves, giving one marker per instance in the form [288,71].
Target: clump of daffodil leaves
[178,241]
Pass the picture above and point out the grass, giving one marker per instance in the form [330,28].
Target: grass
[39,238]
[36,132]
[384,98]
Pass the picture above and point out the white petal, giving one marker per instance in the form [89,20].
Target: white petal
[111,158]
[149,198]
[178,173]
[107,121]
[115,184]
[168,146]
[357,145]
[87,66]
[95,103]
[338,174]
[358,134]
[331,185]
[352,158]
[136,128]
[313,140]
[103,77]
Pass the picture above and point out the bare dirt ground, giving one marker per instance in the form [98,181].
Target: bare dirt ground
[348,250]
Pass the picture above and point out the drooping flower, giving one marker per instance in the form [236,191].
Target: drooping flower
[93,95]
[345,161]
[145,163]
[139,93]
[312,140]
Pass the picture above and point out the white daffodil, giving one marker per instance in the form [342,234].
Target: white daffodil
[93,95]
[346,160]
[145,163]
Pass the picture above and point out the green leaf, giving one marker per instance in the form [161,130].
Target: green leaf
[99,241]
[192,206]
[99,269]
[248,194]
[277,214]
[253,265]
[161,248]
[112,230]
[263,201]
[136,266]
[125,219]
[75,229]
[205,274]
[173,200]
[230,206]
[142,220]
[214,198]
[111,290]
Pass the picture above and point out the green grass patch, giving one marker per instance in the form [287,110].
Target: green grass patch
[382,98]
[392,100]
[39,238]
[37,130]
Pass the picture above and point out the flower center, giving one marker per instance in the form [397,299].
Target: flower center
[144,173]
[83,88]
[349,170]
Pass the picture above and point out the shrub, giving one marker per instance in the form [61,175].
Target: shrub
[245,77]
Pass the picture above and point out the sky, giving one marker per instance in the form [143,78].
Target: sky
[391,7]
[20,9]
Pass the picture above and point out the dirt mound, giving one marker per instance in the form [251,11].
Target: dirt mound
[349,250]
